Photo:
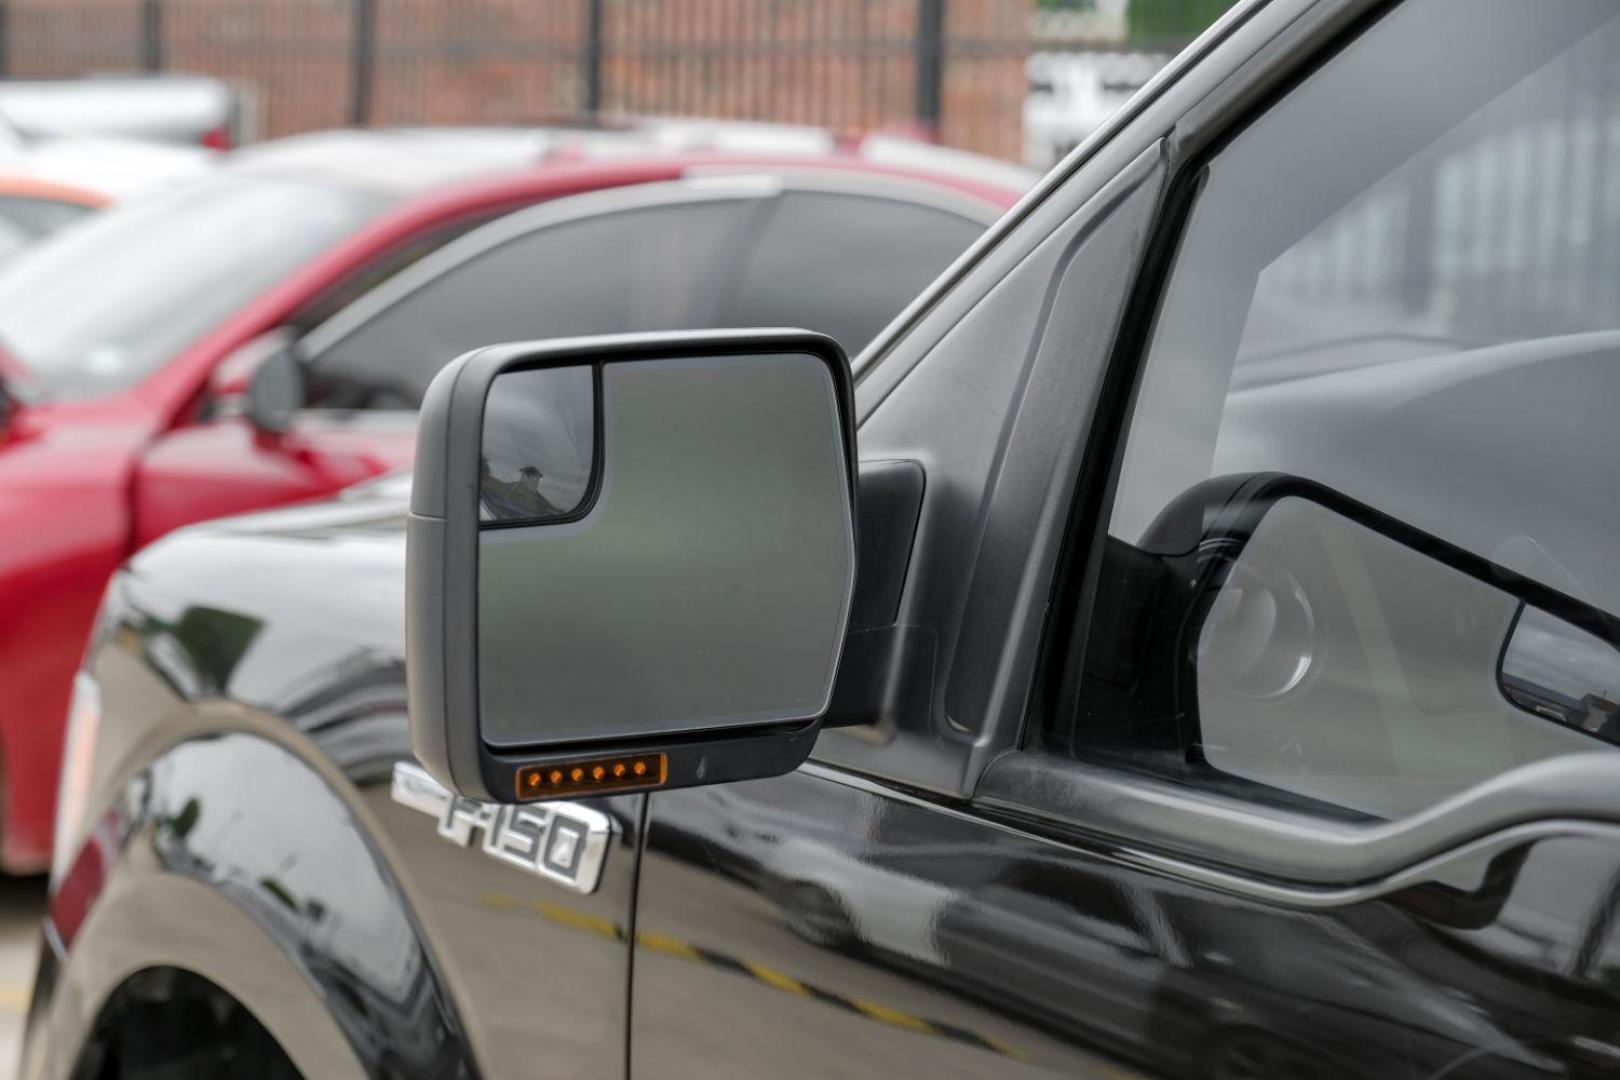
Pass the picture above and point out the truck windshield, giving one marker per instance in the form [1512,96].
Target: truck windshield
[98,306]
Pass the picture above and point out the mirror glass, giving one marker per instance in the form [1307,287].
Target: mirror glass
[538,445]
[1557,670]
[693,576]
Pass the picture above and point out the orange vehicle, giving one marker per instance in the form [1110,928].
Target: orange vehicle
[30,208]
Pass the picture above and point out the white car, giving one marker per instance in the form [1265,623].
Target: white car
[117,168]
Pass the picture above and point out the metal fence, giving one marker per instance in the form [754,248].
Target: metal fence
[948,68]
[1500,230]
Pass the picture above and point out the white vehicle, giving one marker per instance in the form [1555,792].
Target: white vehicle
[115,167]
[192,110]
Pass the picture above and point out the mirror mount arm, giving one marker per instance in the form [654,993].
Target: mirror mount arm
[877,671]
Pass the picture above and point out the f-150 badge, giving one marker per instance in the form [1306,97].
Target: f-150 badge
[560,841]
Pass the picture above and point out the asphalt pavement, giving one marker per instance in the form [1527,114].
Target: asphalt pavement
[21,901]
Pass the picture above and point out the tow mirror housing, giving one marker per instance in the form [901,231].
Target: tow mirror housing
[630,561]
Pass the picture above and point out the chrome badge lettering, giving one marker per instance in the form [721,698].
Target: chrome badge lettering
[559,841]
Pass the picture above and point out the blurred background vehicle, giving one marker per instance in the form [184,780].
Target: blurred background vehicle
[30,208]
[157,376]
[190,110]
[114,167]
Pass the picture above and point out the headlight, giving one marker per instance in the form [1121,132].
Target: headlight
[78,760]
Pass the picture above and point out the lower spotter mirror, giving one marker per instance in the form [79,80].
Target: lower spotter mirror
[630,561]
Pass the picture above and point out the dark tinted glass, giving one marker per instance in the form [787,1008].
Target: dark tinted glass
[844,264]
[655,268]
[538,445]
[1403,284]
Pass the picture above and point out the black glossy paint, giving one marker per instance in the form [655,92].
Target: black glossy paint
[251,821]
[266,712]
[973,949]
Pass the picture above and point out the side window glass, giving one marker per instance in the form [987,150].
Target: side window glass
[844,264]
[379,270]
[650,268]
[1361,549]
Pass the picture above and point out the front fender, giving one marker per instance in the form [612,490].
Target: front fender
[145,920]
[231,857]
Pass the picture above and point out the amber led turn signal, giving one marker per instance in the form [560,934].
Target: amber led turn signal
[597,774]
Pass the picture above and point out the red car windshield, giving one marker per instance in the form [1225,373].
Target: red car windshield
[98,306]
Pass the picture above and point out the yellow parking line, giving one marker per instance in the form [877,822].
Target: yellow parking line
[673,946]
[772,977]
[665,944]
[893,1017]
[579,920]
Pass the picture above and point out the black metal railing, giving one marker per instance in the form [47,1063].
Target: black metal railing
[944,67]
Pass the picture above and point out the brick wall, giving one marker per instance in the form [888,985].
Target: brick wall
[846,64]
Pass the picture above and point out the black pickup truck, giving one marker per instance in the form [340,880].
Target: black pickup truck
[1185,645]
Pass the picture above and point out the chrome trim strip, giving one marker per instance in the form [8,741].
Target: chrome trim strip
[1445,859]
[413,787]
[1436,868]
[1203,827]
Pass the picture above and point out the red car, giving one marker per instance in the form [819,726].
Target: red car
[200,352]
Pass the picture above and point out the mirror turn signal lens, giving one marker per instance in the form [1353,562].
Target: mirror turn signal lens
[598,774]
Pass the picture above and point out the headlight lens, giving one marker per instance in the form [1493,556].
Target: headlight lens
[78,760]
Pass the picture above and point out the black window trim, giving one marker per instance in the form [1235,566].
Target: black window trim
[1263,39]
[1203,135]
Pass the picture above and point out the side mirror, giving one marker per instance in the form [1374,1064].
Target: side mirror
[275,392]
[630,561]
[8,404]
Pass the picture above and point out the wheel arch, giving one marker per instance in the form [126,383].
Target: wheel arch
[145,922]
[232,857]
[162,1020]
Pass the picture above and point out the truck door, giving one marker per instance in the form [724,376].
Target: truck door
[1251,676]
